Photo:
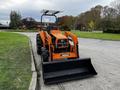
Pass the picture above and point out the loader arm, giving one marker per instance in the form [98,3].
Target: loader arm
[73,38]
[46,40]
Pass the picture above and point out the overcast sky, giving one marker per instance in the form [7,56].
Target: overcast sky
[32,8]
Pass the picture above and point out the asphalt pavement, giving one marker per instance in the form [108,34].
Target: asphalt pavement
[105,56]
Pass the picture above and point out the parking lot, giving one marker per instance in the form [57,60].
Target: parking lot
[105,57]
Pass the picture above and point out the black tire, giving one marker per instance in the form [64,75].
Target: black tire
[77,50]
[45,54]
[38,44]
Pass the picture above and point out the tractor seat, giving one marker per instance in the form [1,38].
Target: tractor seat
[52,28]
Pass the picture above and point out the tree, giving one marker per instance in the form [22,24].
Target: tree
[66,21]
[29,22]
[110,20]
[94,14]
[116,5]
[15,19]
[91,25]
[109,12]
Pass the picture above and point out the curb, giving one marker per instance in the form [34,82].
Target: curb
[33,83]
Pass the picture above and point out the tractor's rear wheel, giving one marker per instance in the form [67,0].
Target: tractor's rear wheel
[38,44]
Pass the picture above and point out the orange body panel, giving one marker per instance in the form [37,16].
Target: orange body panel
[58,34]
[59,56]
[47,41]
[74,37]
[46,38]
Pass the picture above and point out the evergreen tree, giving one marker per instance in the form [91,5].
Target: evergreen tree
[15,19]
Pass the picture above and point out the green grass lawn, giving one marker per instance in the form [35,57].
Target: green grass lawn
[97,35]
[15,62]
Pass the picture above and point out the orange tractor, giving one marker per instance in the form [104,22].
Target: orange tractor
[60,54]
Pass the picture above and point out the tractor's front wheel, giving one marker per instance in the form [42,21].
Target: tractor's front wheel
[38,44]
[45,54]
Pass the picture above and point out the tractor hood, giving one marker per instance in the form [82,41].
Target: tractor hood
[58,34]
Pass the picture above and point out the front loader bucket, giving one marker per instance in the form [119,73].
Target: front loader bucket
[60,71]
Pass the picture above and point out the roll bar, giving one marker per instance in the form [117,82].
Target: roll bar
[49,13]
